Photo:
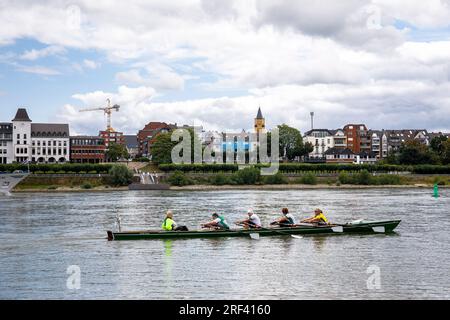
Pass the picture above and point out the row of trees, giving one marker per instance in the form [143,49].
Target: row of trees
[413,152]
[291,146]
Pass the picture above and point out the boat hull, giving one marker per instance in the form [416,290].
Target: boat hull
[369,227]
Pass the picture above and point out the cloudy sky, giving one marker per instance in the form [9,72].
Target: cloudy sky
[385,63]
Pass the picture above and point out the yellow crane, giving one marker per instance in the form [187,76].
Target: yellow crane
[107,110]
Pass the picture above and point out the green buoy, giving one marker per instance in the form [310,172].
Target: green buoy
[436,191]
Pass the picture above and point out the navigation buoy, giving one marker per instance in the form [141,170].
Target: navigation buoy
[436,191]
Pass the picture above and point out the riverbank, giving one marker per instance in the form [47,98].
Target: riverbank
[277,187]
[299,187]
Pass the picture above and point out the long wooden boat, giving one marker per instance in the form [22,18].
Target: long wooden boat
[349,228]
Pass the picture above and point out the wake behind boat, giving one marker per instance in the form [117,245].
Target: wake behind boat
[359,227]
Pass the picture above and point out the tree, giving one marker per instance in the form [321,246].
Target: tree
[436,144]
[291,143]
[116,151]
[121,175]
[161,148]
[445,155]
[414,152]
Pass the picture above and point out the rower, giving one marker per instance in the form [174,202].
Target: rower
[287,220]
[218,223]
[252,222]
[170,225]
[318,218]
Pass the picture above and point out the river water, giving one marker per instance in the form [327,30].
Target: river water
[42,234]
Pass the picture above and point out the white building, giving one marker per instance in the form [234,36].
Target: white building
[50,143]
[35,142]
[6,143]
[323,140]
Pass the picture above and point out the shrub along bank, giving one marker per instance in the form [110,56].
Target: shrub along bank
[315,168]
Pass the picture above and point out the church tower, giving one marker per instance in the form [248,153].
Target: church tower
[260,122]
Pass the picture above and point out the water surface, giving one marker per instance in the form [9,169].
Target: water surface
[41,234]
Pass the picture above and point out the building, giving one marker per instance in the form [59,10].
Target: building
[131,142]
[339,155]
[147,135]
[50,143]
[6,143]
[377,144]
[260,123]
[87,149]
[112,136]
[392,140]
[34,142]
[323,140]
[358,138]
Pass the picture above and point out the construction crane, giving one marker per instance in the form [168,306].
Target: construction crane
[107,110]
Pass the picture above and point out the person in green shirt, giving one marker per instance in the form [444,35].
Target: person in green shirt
[218,223]
[170,225]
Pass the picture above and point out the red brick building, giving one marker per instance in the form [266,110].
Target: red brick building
[87,149]
[358,138]
[147,135]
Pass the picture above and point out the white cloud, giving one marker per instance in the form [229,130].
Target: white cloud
[290,56]
[41,70]
[90,64]
[38,54]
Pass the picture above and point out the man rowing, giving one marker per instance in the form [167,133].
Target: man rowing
[218,223]
[252,222]
[170,225]
[318,218]
[287,220]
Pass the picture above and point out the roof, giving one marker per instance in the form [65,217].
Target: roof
[131,141]
[50,130]
[336,150]
[331,132]
[21,115]
[6,127]
[87,137]
[259,115]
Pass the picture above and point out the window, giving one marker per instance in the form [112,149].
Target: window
[25,136]
[18,135]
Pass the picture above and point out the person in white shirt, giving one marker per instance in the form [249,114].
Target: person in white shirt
[252,222]
[287,220]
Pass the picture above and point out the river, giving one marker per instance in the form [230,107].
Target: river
[42,234]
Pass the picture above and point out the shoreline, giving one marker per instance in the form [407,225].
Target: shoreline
[236,187]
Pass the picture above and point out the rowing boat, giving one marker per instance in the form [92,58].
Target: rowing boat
[349,228]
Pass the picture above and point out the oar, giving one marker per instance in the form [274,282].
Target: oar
[284,233]
[254,236]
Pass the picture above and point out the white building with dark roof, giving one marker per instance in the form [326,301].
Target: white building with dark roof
[34,142]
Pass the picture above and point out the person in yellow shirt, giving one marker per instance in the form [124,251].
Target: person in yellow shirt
[318,218]
[170,225]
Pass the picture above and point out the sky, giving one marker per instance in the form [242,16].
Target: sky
[385,63]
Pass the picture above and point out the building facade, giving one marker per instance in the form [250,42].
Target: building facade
[112,136]
[323,139]
[25,141]
[87,149]
[358,138]
[50,143]
[6,143]
[147,135]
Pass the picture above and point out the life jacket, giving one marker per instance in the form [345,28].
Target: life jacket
[167,224]
[322,217]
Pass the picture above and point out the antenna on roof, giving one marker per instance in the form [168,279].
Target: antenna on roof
[312,119]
